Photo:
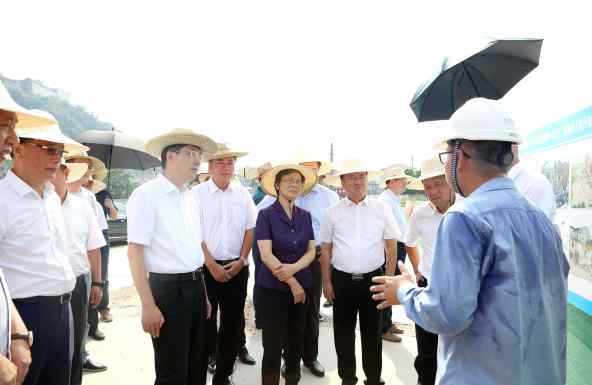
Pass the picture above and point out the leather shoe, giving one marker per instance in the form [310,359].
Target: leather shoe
[97,335]
[92,367]
[245,357]
[395,329]
[212,366]
[315,368]
[392,337]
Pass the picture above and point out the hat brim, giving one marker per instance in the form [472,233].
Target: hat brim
[155,145]
[227,154]
[75,171]
[335,180]
[417,183]
[54,136]
[97,186]
[408,179]
[97,166]
[268,178]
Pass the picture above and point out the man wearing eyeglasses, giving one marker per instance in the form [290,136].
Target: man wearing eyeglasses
[33,250]
[166,259]
[497,296]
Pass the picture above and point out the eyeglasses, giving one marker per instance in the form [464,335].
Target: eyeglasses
[194,155]
[51,151]
[446,155]
[296,182]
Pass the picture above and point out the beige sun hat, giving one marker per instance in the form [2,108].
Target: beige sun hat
[181,136]
[430,168]
[308,156]
[97,166]
[394,173]
[52,134]
[223,152]
[26,118]
[75,171]
[253,173]
[268,178]
[349,167]
[97,186]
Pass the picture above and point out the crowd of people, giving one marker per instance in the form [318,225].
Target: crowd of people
[487,292]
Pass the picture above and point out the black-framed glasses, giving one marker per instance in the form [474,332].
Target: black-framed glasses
[51,151]
[446,155]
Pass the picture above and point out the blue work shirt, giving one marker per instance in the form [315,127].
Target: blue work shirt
[498,293]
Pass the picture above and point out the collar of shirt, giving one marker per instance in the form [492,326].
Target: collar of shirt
[515,170]
[498,183]
[23,189]
[213,187]
[349,202]
[168,186]
[277,206]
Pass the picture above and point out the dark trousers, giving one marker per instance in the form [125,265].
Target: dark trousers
[51,324]
[257,262]
[353,297]
[230,298]
[283,329]
[79,303]
[93,311]
[311,325]
[387,314]
[179,353]
[426,362]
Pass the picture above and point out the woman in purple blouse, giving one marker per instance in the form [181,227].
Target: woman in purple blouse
[285,238]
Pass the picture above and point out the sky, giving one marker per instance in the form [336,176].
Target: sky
[276,78]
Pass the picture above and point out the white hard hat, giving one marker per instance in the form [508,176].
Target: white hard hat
[481,119]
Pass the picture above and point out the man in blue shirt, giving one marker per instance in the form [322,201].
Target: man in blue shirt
[498,291]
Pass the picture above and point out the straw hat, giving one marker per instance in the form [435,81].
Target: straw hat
[181,136]
[351,166]
[307,156]
[52,134]
[394,173]
[26,118]
[75,171]
[268,178]
[224,152]
[203,177]
[253,173]
[97,166]
[430,168]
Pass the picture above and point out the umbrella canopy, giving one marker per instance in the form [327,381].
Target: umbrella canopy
[490,73]
[118,150]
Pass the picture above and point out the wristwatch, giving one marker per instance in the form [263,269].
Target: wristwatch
[23,337]
[100,284]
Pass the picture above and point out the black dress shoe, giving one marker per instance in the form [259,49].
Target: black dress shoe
[93,367]
[97,335]
[212,365]
[245,357]
[315,368]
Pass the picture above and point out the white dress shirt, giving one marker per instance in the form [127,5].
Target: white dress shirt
[316,202]
[423,225]
[83,233]
[394,202]
[165,220]
[357,232]
[33,241]
[95,205]
[535,187]
[225,216]
[5,317]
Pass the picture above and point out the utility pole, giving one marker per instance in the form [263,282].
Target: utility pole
[332,153]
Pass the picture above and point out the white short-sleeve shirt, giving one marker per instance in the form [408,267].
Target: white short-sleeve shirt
[83,233]
[95,205]
[33,241]
[423,226]
[225,217]
[165,220]
[535,187]
[357,233]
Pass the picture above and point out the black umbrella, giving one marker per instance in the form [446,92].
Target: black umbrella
[490,73]
[118,150]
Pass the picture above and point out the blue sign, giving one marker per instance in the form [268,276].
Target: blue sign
[572,128]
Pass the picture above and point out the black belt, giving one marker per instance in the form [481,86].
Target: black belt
[357,277]
[226,261]
[50,300]
[179,277]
